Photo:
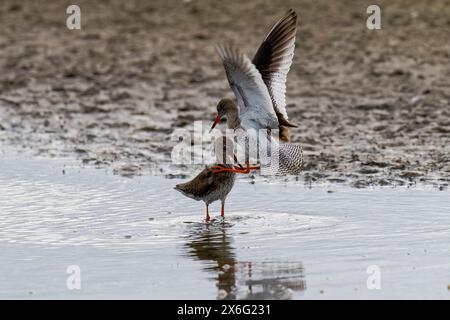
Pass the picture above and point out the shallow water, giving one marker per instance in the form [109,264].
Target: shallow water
[139,238]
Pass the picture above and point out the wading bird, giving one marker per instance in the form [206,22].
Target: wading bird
[259,86]
[209,186]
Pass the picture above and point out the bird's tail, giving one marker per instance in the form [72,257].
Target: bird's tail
[290,160]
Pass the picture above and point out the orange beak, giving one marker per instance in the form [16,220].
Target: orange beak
[216,121]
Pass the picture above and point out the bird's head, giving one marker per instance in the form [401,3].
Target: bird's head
[224,108]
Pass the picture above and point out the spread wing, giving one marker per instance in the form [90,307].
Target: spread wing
[256,109]
[273,60]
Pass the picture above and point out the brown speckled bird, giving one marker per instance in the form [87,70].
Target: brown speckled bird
[259,86]
[210,186]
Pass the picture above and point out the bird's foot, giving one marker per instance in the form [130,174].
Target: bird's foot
[217,169]
[246,170]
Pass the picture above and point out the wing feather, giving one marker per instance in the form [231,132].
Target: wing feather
[252,94]
[274,59]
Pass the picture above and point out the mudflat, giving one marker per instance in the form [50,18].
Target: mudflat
[372,106]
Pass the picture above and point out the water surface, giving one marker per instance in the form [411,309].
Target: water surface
[139,238]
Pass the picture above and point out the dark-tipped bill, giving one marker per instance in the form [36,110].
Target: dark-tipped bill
[216,121]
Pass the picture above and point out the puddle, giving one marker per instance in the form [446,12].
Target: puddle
[139,238]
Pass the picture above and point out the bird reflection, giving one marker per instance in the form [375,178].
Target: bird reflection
[241,279]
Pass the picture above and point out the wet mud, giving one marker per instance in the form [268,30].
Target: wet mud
[372,106]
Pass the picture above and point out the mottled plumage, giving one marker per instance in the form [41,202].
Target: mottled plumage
[209,186]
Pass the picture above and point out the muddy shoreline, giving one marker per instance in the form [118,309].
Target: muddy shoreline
[373,107]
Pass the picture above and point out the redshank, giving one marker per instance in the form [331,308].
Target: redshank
[209,186]
[260,87]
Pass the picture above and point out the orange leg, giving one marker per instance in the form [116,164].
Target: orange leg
[217,169]
[222,212]
[208,218]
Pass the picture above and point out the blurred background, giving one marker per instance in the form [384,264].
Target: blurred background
[372,105]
